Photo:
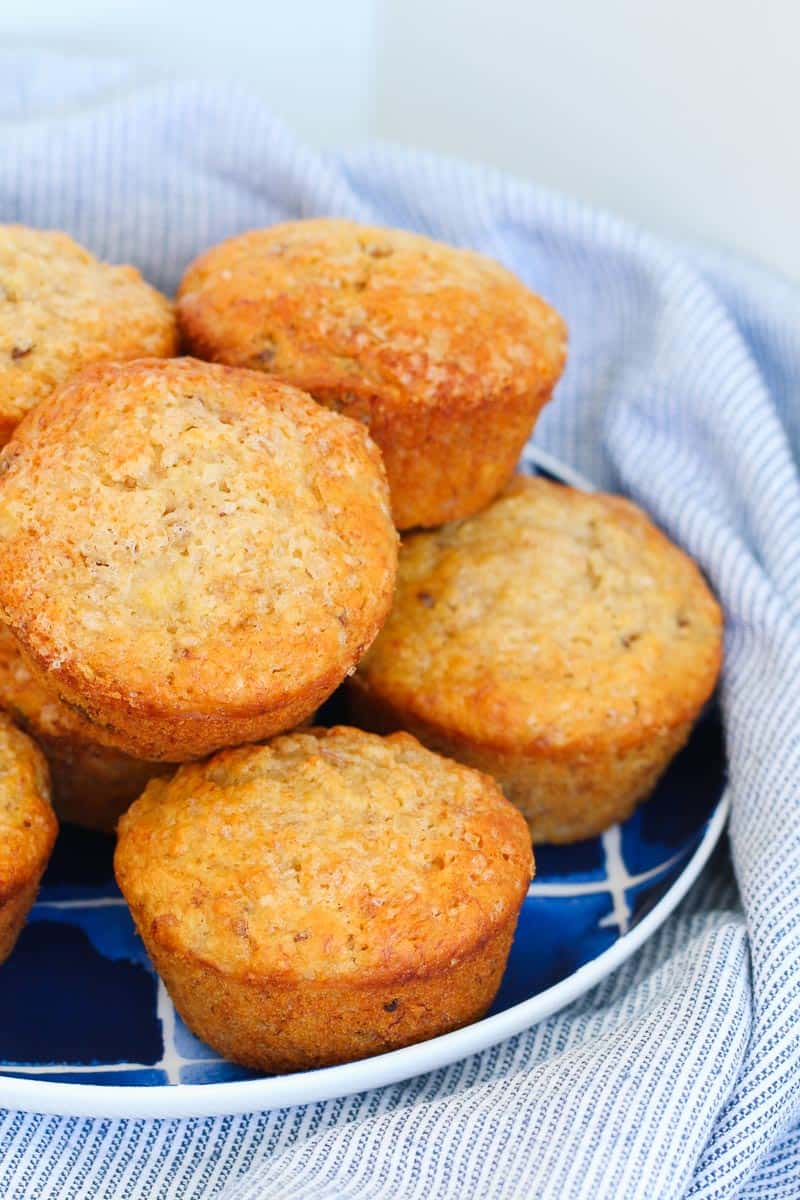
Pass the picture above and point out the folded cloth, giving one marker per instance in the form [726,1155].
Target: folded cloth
[679,1075]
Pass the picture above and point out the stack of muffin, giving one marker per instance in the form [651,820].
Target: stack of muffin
[196,552]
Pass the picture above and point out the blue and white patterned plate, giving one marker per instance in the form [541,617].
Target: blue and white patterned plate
[86,1027]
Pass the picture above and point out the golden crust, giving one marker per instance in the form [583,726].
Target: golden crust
[329,895]
[92,784]
[445,355]
[28,829]
[557,641]
[13,914]
[278,1029]
[193,556]
[61,309]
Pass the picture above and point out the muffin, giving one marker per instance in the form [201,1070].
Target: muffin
[192,556]
[557,641]
[28,830]
[326,897]
[445,356]
[61,309]
[92,784]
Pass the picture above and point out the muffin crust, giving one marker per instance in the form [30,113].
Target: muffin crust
[445,355]
[92,784]
[557,641]
[191,555]
[28,830]
[325,897]
[61,309]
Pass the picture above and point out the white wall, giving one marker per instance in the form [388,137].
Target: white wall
[682,114]
[679,113]
[312,60]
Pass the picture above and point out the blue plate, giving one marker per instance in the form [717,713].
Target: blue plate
[87,1028]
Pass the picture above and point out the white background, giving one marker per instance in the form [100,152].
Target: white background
[682,115]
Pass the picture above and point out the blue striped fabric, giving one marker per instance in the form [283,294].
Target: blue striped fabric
[680,1075]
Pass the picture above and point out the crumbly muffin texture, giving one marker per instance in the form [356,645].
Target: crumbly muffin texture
[92,784]
[557,640]
[327,855]
[195,556]
[27,829]
[27,825]
[443,353]
[554,615]
[61,309]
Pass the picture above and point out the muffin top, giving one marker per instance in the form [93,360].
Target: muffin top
[178,537]
[554,618]
[324,854]
[28,825]
[61,309]
[369,318]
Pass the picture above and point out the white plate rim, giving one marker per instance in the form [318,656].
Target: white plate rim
[167,1101]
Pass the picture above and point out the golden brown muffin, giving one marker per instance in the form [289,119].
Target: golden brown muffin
[557,641]
[92,784]
[28,830]
[326,897]
[193,556]
[444,354]
[61,309]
